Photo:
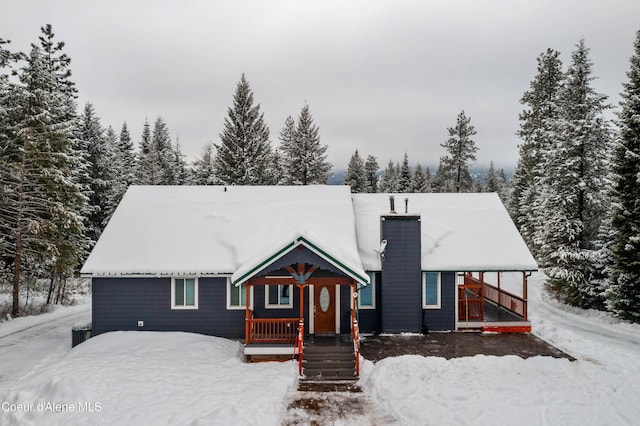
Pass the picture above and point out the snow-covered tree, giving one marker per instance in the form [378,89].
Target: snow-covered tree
[42,205]
[148,170]
[574,201]
[461,151]
[163,151]
[305,159]
[203,167]
[371,171]
[244,155]
[624,269]
[100,157]
[421,180]
[356,177]
[124,166]
[538,129]
[390,181]
[178,172]
[405,178]
[495,181]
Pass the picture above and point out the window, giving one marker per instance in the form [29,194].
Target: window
[278,296]
[184,293]
[367,294]
[431,290]
[236,296]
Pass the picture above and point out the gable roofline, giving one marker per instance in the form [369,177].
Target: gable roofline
[251,268]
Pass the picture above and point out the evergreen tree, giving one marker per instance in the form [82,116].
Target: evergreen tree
[149,169]
[178,172]
[371,172]
[574,202]
[421,181]
[461,150]
[624,270]
[405,179]
[390,181]
[244,155]
[100,157]
[42,204]
[496,182]
[305,158]
[163,152]
[442,181]
[538,128]
[125,165]
[356,177]
[203,167]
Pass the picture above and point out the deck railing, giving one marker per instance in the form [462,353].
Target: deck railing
[272,330]
[300,342]
[506,300]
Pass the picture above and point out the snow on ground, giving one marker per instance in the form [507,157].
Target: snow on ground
[180,378]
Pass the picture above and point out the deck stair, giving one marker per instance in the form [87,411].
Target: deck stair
[328,368]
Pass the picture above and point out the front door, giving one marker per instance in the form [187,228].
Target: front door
[324,309]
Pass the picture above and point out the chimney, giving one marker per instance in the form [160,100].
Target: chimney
[392,203]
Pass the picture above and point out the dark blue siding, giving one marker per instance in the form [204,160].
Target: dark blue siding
[401,282]
[445,317]
[119,303]
[369,319]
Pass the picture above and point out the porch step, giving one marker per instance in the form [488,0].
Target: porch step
[328,364]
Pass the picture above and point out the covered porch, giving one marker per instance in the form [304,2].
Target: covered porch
[298,292]
[493,301]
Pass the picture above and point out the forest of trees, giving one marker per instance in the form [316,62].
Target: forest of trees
[574,194]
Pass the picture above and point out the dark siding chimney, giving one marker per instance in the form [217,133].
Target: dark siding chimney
[401,287]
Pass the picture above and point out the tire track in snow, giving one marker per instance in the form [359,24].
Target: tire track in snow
[51,323]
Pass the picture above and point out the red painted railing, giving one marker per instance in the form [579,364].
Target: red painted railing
[504,299]
[272,330]
[355,333]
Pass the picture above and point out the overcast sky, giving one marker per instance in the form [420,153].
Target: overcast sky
[385,77]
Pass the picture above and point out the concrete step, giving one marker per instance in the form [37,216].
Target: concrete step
[328,356]
[325,374]
[305,385]
[319,349]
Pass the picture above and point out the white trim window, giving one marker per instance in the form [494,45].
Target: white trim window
[278,296]
[184,293]
[236,296]
[431,290]
[367,294]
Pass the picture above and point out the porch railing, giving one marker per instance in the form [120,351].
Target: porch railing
[300,342]
[272,330]
[506,300]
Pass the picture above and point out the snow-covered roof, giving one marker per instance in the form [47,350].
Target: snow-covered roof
[208,230]
[220,230]
[460,232]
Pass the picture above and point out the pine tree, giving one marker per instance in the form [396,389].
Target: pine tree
[100,156]
[42,203]
[538,123]
[496,182]
[624,269]
[178,172]
[244,155]
[163,152]
[371,171]
[356,177]
[405,179]
[461,150]
[441,181]
[421,181]
[390,181]
[203,167]
[149,169]
[574,190]
[305,158]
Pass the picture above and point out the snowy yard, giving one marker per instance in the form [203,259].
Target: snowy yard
[179,378]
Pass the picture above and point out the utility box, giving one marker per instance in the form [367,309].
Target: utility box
[79,334]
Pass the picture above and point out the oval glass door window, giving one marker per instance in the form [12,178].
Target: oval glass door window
[325,299]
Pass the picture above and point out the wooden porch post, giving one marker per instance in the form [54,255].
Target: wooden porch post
[482,295]
[524,293]
[301,287]
[499,273]
[247,315]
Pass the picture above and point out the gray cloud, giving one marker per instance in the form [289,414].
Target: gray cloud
[383,77]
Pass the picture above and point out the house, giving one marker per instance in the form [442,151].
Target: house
[274,265]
